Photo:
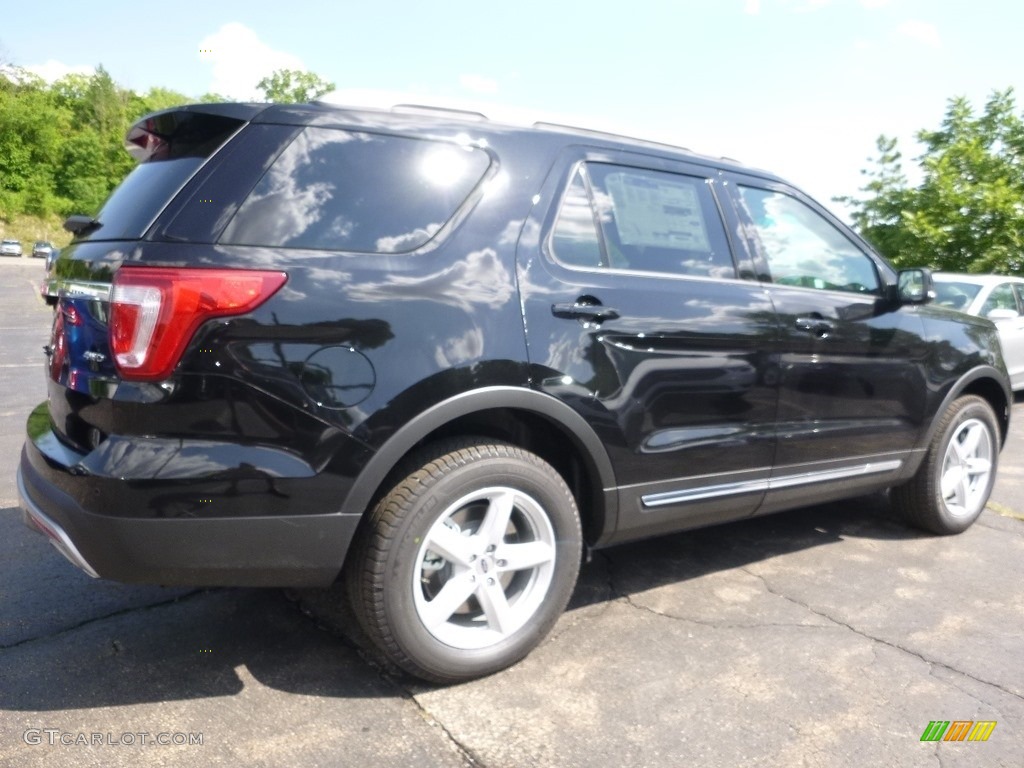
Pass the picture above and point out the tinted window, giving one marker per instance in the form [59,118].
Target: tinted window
[648,220]
[1002,297]
[135,204]
[208,203]
[338,190]
[804,248]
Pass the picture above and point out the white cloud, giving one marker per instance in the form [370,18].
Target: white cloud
[240,60]
[478,83]
[53,70]
[922,31]
[870,4]
[752,7]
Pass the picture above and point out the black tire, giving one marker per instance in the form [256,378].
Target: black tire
[964,450]
[456,501]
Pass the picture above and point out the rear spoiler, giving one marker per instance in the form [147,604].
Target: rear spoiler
[185,130]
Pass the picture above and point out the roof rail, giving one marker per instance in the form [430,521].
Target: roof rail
[606,135]
[428,109]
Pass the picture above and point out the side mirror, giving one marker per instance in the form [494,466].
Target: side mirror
[915,286]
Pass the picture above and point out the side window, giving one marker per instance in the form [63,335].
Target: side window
[1002,297]
[339,190]
[646,220]
[803,248]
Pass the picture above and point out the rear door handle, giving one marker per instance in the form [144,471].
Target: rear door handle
[584,311]
[818,326]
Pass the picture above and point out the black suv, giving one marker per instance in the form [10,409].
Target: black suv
[429,359]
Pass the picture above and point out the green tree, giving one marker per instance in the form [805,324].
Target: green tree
[155,100]
[83,176]
[212,98]
[293,86]
[967,213]
[32,128]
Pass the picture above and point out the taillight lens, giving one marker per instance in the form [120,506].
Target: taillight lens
[155,311]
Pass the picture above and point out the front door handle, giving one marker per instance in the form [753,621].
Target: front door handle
[817,326]
[584,311]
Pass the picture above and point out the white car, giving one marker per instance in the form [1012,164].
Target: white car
[10,248]
[1001,300]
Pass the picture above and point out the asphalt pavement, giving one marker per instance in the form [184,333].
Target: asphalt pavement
[829,636]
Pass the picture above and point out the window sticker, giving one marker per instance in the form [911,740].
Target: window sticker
[657,212]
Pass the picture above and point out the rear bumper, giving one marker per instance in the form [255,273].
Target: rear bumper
[270,550]
[37,520]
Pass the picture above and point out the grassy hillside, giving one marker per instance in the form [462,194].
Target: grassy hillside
[28,229]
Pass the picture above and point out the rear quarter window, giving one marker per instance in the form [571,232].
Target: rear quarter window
[340,190]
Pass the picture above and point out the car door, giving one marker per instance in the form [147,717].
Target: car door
[851,361]
[1005,307]
[636,317]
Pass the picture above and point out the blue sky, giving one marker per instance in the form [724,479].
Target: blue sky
[801,87]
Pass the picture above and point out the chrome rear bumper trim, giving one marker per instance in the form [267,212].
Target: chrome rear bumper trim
[37,520]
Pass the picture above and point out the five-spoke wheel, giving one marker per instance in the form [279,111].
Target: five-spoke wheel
[953,483]
[467,562]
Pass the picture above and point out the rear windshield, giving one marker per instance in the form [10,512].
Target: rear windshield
[137,201]
[134,205]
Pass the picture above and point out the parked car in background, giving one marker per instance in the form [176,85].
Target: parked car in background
[10,248]
[41,249]
[1001,300]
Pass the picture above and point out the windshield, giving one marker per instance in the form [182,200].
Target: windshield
[955,295]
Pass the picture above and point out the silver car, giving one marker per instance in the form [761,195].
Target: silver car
[1001,300]
[10,248]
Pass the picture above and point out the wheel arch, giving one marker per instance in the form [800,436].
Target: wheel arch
[987,383]
[523,417]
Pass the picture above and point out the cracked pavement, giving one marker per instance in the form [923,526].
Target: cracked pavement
[822,637]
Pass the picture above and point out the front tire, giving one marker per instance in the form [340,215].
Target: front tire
[467,563]
[953,484]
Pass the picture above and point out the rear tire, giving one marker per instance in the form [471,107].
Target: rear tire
[467,563]
[953,484]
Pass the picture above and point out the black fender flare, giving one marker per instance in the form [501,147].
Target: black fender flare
[487,398]
[979,373]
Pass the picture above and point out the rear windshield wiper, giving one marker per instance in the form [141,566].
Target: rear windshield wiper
[80,225]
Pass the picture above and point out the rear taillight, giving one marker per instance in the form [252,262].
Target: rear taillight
[155,311]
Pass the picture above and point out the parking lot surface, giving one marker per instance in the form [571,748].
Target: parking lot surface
[829,636]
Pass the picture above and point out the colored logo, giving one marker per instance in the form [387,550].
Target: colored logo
[958,730]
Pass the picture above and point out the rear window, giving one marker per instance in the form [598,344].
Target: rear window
[134,205]
[340,190]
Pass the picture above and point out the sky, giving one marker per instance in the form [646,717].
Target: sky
[799,87]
